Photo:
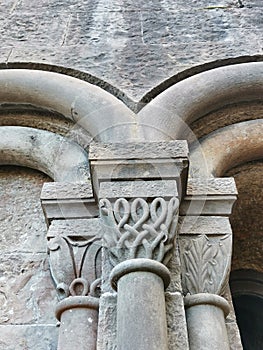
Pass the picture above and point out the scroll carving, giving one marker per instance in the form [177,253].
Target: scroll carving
[205,263]
[75,264]
[140,229]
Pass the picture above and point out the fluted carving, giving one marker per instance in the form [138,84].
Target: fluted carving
[138,228]
[205,263]
[75,264]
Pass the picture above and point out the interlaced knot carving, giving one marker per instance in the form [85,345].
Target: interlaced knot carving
[140,228]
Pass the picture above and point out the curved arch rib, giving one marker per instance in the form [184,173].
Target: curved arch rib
[168,115]
[227,147]
[97,111]
[56,156]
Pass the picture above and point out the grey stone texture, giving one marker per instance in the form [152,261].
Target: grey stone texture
[132,45]
[128,48]
[176,325]
[47,152]
[26,337]
[26,291]
[176,322]
[206,322]
[107,326]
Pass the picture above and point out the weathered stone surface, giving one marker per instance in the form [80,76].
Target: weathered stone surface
[231,324]
[47,152]
[233,336]
[138,150]
[139,161]
[176,322]
[205,315]
[209,196]
[234,113]
[214,225]
[64,200]
[141,189]
[23,226]
[171,112]
[75,227]
[107,327]
[26,290]
[177,332]
[235,148]
[211,186]
[75,257]
[106,270]
[175,272]
[27,295]
[27,337]
[246,219]
[141,314]
[66,190]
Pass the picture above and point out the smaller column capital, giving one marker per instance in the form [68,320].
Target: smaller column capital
[76,302]
[207,299]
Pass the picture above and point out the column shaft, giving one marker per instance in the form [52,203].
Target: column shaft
[206,322]
[141,312]
[78,323]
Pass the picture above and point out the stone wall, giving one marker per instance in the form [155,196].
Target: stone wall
[134,45]
[27,296]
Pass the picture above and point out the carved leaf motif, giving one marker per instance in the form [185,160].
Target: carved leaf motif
[205,263]
[138,228]
[75,264]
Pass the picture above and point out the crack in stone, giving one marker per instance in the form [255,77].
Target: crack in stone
[66,31]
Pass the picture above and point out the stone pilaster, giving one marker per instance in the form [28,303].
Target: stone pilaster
[139,210]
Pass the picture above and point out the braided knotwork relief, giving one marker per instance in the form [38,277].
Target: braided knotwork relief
[140,229]
[206,262]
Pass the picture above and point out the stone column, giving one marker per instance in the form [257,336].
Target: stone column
[205,259]
[74,254]
[141,305]
[74,247]
[140,235]
[78,316]
[205,244]
[206,315]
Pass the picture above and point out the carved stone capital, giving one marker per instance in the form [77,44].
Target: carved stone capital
[205,245]
[143,226]
[74,248]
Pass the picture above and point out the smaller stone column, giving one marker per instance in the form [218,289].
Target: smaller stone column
[205,245]
[78,316]
[74,248]
[205,314]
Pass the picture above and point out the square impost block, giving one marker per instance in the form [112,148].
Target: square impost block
[138,189]
[136,161]
[63,200]
[209,196]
